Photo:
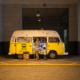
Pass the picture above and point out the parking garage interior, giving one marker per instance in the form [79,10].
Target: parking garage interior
[60,16]
[48,19]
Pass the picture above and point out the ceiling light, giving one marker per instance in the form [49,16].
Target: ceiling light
[38,14]
[39,20]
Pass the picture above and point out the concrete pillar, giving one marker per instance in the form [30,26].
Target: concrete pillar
[79,28]
[12,19]
[0,22]
[0,27]
[79,22]
[73,30]
[73,23]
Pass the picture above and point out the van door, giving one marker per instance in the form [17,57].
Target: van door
[54,44]
[23,44]
[39,43]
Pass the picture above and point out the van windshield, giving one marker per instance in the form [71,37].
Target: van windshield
[53,39]
[23,39]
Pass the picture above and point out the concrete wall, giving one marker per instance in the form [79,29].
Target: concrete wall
[0,22]
[73,30]
[79,28]
[12,19]
[40,1]
[1,26]
[79,22]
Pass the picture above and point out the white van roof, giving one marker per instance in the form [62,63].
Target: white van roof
[35,33]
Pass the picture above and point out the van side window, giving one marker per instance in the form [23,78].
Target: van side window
[53,39]
[41,39]
[24,39]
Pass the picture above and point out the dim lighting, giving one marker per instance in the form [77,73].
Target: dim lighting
[42,28]
[39,20]
[38,14]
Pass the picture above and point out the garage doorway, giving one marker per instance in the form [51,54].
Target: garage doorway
[47,19]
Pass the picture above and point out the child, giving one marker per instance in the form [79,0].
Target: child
[44,50]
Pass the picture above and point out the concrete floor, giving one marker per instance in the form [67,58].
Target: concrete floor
[29,70]
[39,73]
[74,60]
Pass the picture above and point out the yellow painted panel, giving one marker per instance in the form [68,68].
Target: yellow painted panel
[29,47]
[23,47]
[12,48]
[58,47]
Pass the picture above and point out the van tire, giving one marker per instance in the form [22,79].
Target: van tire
[52,54]
[20,56]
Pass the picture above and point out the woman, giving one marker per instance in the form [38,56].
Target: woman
[37,48]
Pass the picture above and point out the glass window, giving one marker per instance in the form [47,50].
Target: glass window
[41,39]
[53,39]
[24,39]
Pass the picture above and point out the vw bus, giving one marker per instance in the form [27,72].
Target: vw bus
[24,40]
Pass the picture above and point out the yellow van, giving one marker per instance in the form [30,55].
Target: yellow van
[24,40]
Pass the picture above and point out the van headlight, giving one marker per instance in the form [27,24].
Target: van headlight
[9,53]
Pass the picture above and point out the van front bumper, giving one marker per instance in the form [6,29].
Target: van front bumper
[9,53]
[66,53]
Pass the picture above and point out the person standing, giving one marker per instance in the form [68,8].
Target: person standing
[37,48]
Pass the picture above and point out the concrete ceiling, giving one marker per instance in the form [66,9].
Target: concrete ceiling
[40,1]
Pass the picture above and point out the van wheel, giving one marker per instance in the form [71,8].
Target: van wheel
[53,55]
[20,56]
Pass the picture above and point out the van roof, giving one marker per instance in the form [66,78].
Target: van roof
[37,33]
